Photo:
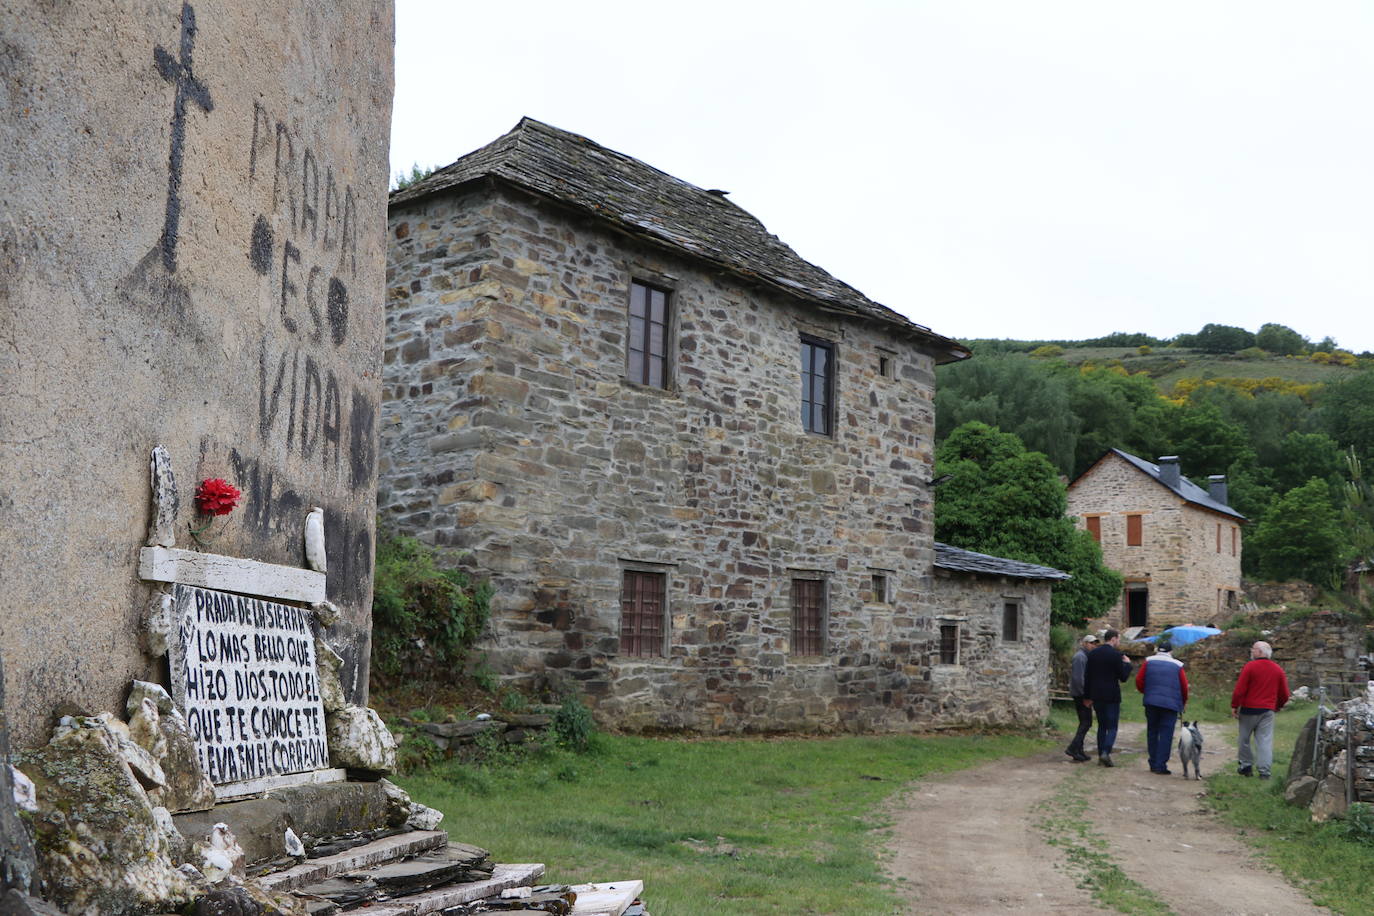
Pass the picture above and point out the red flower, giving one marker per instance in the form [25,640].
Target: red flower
[217,497]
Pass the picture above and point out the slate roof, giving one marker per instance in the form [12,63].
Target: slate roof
[1186,489]
[653,205]
[954,558]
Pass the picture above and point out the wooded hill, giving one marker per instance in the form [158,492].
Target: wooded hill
[1291,427]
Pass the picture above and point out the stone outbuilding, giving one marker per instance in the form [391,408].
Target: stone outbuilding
[695,467]
[1177,545]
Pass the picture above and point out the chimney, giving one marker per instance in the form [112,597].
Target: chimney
[1216,488]
[1168,471]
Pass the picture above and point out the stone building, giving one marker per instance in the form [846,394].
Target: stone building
[695,466]
[1177,545]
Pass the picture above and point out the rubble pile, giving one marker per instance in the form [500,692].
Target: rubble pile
[1333,760]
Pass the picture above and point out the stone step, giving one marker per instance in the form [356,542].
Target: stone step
[453,864]
[607,898]
[377,852]
[433,901]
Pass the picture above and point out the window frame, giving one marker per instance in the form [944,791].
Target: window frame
[880,586]
[808,386]
[1012,605]
[1093,525]
[802,643]
[645,375]
[945,625]
[1135,530]
[632,631]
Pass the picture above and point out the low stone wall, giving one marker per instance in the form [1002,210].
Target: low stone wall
[1269,594]
[1333,760]
[1322,648]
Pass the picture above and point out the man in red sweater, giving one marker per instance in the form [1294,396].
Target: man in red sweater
[1261,690]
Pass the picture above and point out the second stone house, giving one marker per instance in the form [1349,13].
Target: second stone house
[1177,545]
[695,466]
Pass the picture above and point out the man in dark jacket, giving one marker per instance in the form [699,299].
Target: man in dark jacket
[1076,690]
[1261,690]
[1165,686]
[1103,675]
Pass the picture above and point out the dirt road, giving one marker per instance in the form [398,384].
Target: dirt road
[977,841]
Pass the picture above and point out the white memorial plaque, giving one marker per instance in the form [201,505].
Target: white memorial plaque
[243,671]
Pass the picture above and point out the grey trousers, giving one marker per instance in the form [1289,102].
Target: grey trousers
[1261,727]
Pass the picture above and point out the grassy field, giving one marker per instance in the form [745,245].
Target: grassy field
[713,826]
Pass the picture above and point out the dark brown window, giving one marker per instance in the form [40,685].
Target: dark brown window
[1011,621]
[808,616]
[1135,535]
[1095,527]
[1235,537]
[949,643]
[1218,537]
[818,385]
[647,358]
[879,588]
[642,613]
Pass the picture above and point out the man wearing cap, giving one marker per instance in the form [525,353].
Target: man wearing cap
[1078,692]
[1261,690]
[1103,675]
[1165,686]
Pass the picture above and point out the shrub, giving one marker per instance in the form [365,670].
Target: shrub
[425,618]
[574,725]
[1048,351]
[1359,823]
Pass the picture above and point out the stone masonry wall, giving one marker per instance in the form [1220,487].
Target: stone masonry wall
[192,255]
[997,682]
[510,432]
[1321,648]
[1178,558]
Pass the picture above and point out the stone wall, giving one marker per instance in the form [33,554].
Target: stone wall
[1320,648]
[191,254]
[1178,560]
[1276,594]
[510,432]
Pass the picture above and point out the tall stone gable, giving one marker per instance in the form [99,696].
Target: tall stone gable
[191,254]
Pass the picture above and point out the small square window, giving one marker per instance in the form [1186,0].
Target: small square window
[949,643]
[1011,622]
[880,588]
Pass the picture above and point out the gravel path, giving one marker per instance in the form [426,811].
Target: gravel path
[970,842]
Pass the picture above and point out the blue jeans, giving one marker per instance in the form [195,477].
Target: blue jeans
[1108,714]
[1159,735]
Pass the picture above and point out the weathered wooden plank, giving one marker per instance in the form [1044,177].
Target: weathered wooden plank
[230,574]
[607,897]
[384,850]
[234,790]
[503,877]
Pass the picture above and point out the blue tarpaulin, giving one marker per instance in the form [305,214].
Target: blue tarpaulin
[1182,636]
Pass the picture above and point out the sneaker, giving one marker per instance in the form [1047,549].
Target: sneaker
[1075,754]
[1106,760]
[1164,772]
[1245,771]
[1261,775]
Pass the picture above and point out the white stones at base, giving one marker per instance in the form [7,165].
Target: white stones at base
[360,740]
[611,898]
[231,574]
[25,795]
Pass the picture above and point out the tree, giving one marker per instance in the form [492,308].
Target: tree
[1281,340]
[1223,338]
[1009,502]
[1301,537]
[1014,394]
[1345,412]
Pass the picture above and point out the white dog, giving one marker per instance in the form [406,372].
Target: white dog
[1190,749]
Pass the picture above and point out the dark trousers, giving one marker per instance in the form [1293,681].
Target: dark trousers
[1159,735]
[1108,714]
[1085,722]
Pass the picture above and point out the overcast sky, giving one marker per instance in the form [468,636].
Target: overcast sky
[989,169]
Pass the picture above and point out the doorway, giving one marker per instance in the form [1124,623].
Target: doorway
[1137,606]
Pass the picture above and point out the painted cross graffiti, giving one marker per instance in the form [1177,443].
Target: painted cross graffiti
[177,70]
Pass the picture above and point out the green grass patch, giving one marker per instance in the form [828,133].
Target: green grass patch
[712,826]
[1329,862]
[1063,819]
